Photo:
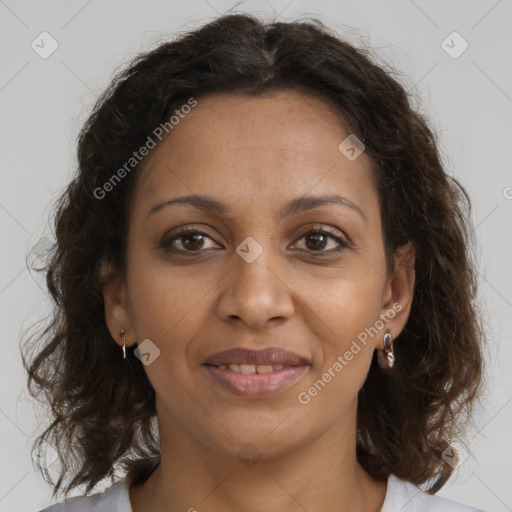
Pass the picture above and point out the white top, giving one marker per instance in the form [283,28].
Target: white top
[401,496]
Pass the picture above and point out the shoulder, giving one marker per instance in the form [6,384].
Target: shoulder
[407,497]
[114,499]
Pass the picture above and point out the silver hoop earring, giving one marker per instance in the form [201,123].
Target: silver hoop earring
[124,345]
[386,357]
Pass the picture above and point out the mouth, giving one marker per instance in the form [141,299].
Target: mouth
[250,369]
[256,373]
[246,358]
[255,385]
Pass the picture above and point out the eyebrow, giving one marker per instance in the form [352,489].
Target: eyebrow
[297,205]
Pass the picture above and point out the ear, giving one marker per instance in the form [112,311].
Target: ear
[117,310]
[398,293]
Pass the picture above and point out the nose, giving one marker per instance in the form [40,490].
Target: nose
[255,292]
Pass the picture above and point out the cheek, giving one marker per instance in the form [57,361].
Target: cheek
[348,301]
[163,298]
[167,313]
[346,348]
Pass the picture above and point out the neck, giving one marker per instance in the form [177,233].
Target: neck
[320,475]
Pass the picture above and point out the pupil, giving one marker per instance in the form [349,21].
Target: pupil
[316,238]
[188,237]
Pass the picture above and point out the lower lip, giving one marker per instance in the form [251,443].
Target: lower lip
[257,384]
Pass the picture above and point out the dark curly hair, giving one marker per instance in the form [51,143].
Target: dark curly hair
[104,407]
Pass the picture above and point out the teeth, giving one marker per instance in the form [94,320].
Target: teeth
[249,369]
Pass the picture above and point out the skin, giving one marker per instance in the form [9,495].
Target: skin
[254,155]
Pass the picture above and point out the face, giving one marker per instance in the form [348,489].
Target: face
[255,272]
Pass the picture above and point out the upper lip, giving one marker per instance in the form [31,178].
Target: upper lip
[269,355]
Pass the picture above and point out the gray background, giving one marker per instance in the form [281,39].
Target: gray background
[43,103]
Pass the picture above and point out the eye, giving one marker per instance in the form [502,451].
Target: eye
[317,239]
[192,241]
[190,238]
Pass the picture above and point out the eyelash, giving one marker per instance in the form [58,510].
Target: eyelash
[166,243]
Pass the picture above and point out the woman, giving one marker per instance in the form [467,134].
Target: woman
[262,253]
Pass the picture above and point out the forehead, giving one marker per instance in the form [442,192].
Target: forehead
[255,148]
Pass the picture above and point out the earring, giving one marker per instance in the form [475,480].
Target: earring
[386,357]
[124,345]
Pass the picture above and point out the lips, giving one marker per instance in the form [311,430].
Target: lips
[256,385]
[266,356]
